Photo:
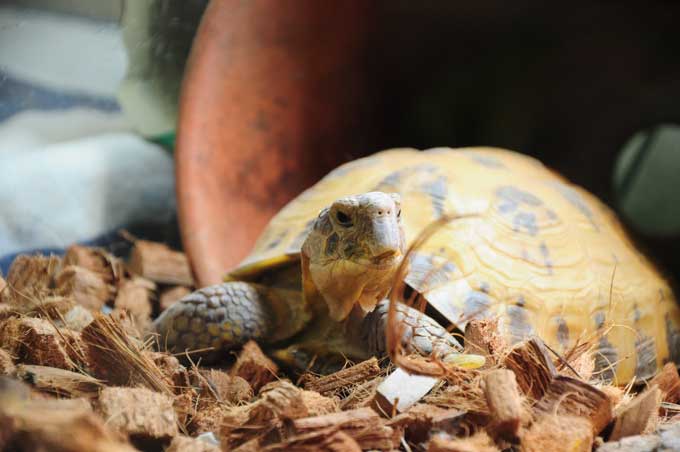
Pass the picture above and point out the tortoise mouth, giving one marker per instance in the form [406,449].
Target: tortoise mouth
[386,258]
[387,255]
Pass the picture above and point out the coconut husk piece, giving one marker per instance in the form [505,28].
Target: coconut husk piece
[327,440]
[668,382]
[343,380]
[30,277]
[54,307]
[362,394]
[60,382]
[7,366]
[533,367]
[145,415]
[566,396]
[362,424]
[110,269]
[3,286]
[263,420]
[159,263]
[59,425]
[638,416]
[480,442]
[135,298]
[38,341]
[505,403]
[254,366]
[482,337]
[86,287]
[422,419]
[188,444]
[558,432]
[117,359]
[222,387]
[318,405]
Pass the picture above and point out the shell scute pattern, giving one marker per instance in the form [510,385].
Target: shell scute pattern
[532,235]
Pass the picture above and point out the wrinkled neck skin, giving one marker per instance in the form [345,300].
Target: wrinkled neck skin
[346,284]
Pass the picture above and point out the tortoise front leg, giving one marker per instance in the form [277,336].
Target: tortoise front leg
[225,316]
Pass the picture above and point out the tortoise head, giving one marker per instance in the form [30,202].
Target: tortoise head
[353,251]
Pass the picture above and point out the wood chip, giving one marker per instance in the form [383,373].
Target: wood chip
[480,442]
[106,343]
[254,366]
[400,390]
[134,297]
[638,416]
[533,367]
[483,338]
[549,432]
[30,277]
[138,412]
[668,382]
[157,262]
[345,379]
[85,286]
[362,424]
[60,382]
[172,295]
[567,396]
[187,444]
[6,363]
[505,403]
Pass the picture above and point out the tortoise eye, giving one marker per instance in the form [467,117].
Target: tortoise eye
[343,219]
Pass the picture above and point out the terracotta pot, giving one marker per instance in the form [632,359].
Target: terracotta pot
[270,102]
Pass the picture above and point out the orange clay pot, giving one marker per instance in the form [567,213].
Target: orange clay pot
[270,102]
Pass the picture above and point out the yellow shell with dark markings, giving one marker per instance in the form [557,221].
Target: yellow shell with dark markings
[544,255]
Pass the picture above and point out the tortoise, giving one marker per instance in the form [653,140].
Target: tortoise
[543,255]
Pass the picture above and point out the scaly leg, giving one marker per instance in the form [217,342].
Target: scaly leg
[227,315]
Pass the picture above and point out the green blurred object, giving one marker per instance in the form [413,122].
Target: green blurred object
[647,181]
[158,36]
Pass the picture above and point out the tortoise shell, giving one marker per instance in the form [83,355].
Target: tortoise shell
[544,255]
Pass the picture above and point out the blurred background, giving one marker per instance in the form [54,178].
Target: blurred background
[91,96]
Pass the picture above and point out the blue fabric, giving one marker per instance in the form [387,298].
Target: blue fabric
[17,96]
[72,172]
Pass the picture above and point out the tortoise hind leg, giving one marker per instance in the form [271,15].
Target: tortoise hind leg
[225,316]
